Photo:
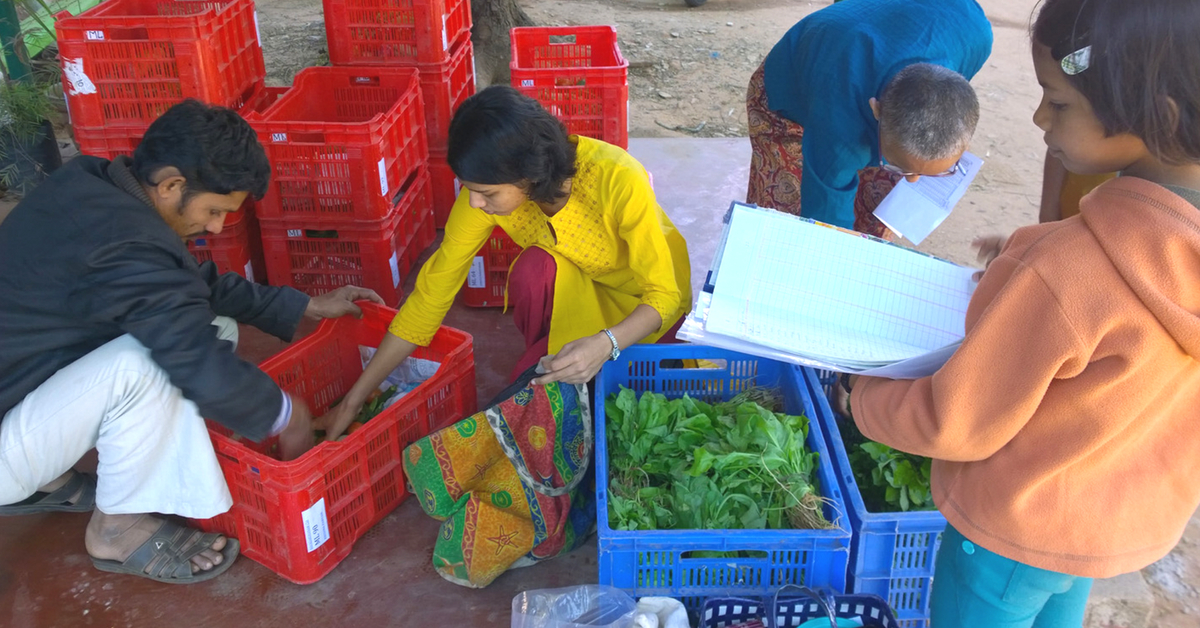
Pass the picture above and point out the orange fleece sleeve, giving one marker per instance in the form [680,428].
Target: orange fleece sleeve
[1017,342]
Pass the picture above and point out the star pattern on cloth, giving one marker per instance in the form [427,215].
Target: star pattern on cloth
[503,540]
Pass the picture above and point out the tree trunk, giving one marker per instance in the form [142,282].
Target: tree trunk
[493,19]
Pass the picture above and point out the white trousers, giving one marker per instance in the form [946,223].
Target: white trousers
[154,449]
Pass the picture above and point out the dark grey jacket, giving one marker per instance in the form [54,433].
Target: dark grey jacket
[85,259]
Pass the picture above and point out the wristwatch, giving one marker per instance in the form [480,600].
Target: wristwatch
[616,352]
[844,380]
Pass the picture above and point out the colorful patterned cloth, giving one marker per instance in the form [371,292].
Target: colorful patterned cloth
[777,166]
[508,483]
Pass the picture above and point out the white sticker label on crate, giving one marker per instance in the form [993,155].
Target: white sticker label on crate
[279,137]
[249,272]
[94,35]
[394,262]
[295,233]
[383,177]
[477,276]
[526,82]
[445,37]
[257,34]
[79,81]
[316,525]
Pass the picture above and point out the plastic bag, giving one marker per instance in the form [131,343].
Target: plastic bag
[593,606]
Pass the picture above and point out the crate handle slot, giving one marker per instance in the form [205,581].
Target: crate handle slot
[731,554]
[722,366]
[404,188]
[558,40]
[324,234]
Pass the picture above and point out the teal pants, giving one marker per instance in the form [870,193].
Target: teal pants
[976,588]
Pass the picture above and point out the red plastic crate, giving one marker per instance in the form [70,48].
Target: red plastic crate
[488,279]
[578,74]
[446,188]
[358,480]
[238,248]
[316,255]
[109,142]
[389,32]
[341,142]
[445,86]
[125,62]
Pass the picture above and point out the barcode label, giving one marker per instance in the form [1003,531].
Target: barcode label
[477,276]
[95,35]
[316,525]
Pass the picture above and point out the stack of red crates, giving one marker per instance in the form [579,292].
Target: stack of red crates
[579,75]
[431,36]
[125,62]
[349,200]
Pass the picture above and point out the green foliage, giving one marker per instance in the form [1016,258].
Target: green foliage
[890,480]
[686,464]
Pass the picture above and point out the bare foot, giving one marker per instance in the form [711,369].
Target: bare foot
[115,537]
[59,482]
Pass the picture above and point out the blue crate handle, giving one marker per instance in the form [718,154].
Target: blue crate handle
[823,599]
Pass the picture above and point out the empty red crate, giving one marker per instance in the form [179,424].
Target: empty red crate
[445,86]
[341,141]
[108,142]
[578,74]
[344,487]
[316,255]
[386,32]
[237,249]
[446,188]
[125,62]
[488,279]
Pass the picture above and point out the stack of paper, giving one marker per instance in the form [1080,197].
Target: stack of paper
[788,288]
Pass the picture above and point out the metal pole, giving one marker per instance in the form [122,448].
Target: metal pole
[16,59]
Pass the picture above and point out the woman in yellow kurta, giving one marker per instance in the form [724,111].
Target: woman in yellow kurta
[603,267]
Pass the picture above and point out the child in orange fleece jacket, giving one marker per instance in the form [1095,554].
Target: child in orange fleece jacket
[1065,429]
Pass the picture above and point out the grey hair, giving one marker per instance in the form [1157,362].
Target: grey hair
[929,110]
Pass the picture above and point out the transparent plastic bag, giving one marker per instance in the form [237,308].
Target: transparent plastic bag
[590,606]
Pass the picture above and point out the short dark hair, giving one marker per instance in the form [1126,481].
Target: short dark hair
[1143,76]
[213,148]
[502,136]
[929,110]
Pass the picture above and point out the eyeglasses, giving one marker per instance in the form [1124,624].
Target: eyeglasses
[884,165]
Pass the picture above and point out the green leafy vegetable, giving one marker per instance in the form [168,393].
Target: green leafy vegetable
[890,480]
[686,464]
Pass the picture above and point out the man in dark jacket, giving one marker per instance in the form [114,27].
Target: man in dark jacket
[112,337]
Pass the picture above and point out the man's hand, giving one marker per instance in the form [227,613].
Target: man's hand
[297,437]
[987,247]
[340,302]
[577,362]
[339,418]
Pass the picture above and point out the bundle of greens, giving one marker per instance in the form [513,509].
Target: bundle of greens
[889,480]
[686,464]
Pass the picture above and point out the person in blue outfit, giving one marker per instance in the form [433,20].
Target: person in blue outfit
[858,95]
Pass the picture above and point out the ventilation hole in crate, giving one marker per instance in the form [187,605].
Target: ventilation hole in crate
[344,524]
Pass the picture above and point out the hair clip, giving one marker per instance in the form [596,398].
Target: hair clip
[1077,61]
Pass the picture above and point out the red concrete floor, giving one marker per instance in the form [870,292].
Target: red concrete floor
[46,579]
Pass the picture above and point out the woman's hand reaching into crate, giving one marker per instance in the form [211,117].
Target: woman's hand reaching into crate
[340,302]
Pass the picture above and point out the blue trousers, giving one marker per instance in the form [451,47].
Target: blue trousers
[976,588]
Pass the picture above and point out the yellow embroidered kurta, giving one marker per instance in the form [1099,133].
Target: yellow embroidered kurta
[614,246]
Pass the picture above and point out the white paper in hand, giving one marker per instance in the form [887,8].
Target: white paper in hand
[914,210]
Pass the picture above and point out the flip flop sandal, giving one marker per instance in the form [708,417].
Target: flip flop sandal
[59,500]
[167,556]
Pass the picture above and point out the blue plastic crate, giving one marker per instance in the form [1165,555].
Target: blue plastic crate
[893,553]
[659,562]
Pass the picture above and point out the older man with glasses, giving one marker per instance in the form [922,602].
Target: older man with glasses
[858,95]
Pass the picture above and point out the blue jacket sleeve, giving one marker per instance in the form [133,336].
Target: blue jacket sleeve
[275,310]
